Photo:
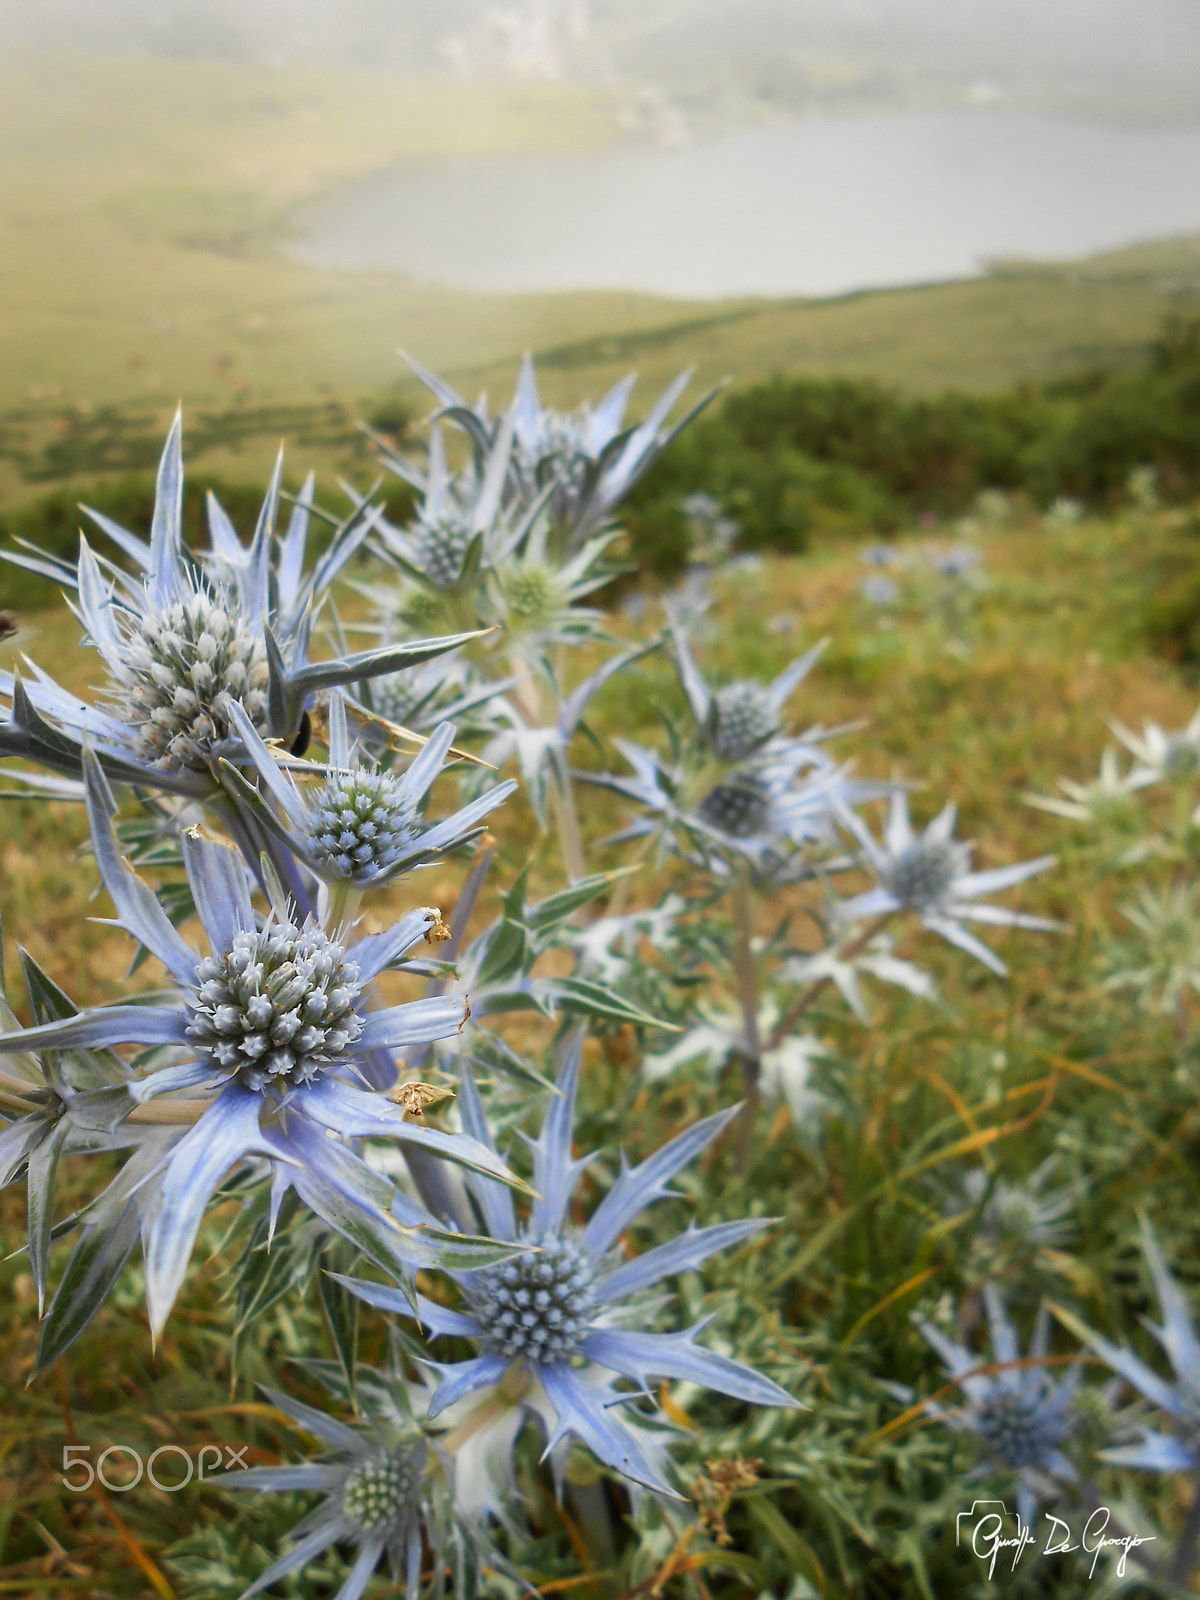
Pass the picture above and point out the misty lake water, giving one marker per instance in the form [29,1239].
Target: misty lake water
[818,206]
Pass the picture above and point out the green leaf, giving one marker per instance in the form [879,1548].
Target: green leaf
[48,1002]
[582,996]
[504,952]
[96,1263]
[798,1554]
[556,908]
[43,1169]
[266,1276]
[341,1314]
[514,900]
[494,1054]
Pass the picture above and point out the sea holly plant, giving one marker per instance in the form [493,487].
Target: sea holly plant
[389,1492]
[185,637]
[1021,1414]
[743,806]
[383,1126]
[581,463]
[270,1025]
[267,1068]
[557,1324]
[361,827]
[473,557]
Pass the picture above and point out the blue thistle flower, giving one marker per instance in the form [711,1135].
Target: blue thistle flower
[1021,1415]
[546,1318]
[274,1023]
[742,720]
[929,875]
[1178,1397]
[387,1492]
[361,824]
[1164,757]
[585,462]
[194,634]
[758,813]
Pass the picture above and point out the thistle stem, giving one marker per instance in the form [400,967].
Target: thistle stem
[170,1112]
[569,834]
[510,1391]
[790,1018]
[595,1522]
[345,897]
[747,978]
[438,1191]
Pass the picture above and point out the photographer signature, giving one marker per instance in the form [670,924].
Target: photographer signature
[988,1539]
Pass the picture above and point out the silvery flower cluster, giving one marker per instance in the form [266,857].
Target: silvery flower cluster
[366,1072]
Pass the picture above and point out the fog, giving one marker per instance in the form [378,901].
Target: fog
[785,49]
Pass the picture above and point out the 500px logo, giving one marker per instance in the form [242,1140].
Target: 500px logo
[209,1455]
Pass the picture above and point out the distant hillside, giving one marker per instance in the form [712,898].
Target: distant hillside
[140,202]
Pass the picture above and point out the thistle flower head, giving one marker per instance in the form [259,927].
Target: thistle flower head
[395,697]
[1013,1221]
[178,667]
[955,562]
[441,548]
[921,875]
[740,806]
[1163,757]
[277,1006]
[533,589]
[1020,1414]
[556,447]
[362,825]
[1181,760]
[363,821]
[1107,802]
[744,717]
[1161,963]
[379,1494]
[537,1305]
[1015,1213]
[388,1494]
[929,875]
[763,813]
[1019,1429]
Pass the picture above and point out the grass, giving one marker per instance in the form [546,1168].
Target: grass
[983,703]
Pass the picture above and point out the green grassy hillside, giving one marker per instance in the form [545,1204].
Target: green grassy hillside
[141,202]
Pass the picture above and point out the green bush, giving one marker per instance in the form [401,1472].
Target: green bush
[795,458]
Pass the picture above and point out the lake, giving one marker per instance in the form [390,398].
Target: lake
[815,207]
